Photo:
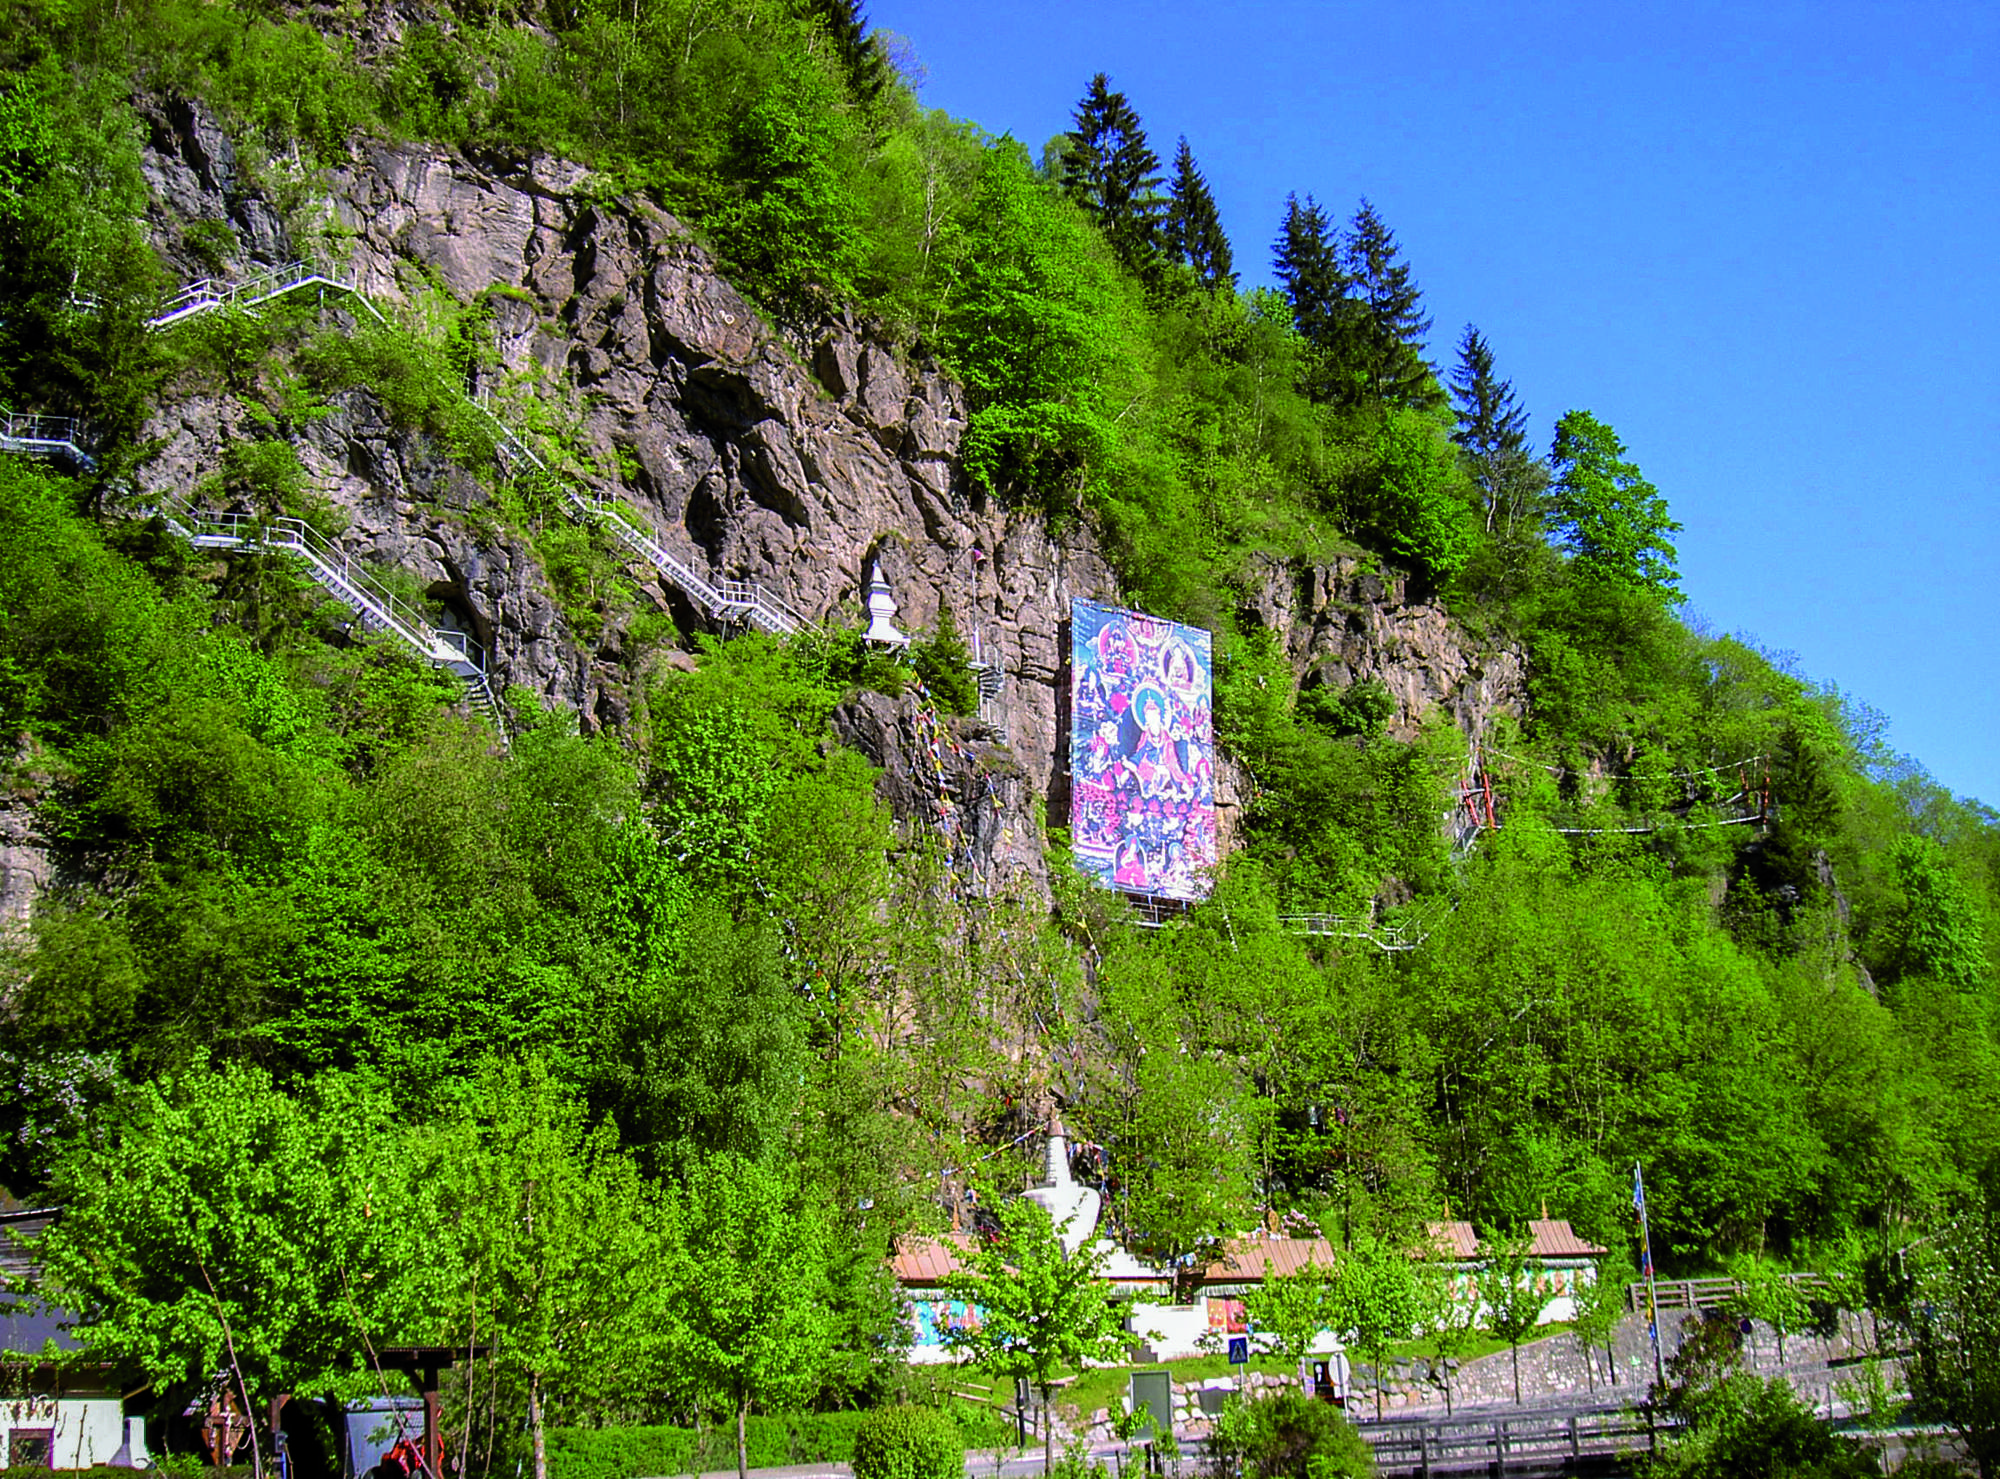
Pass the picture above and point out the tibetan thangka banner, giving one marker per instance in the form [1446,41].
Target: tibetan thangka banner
[1142,752]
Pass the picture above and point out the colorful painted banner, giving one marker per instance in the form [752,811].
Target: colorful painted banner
[1142,752]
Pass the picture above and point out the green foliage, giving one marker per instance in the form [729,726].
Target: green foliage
[1511,1296]
[908,1443]
[1041,1313]
[648,1451]
[1611,520]
[1290,1436]
[1292,1310]
[1743,1427]
[945,665]
[1953,1316]
[1046,337]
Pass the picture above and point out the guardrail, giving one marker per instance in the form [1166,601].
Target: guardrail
[373,602]
[1518,1443]
[730,601]
[208,294]
[34,435]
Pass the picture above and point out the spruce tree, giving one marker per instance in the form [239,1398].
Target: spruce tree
[1492,428]
[847,25]
[1390,346]
[1192,231]
[1307,260]
[1111,171]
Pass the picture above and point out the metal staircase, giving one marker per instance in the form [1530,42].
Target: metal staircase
[207,294]
[728,600]
[375,604]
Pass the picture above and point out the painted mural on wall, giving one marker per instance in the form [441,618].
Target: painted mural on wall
[1142,752]
[934,1317]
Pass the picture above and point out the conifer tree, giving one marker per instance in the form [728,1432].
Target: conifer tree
[847,24]
[1307,260]
[1492,428]
[1192,232]
[1111,171]
[1389,349]
[1308,269]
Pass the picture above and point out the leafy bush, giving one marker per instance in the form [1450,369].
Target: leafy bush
[1289,1436]
[633,1453]
[908,1443]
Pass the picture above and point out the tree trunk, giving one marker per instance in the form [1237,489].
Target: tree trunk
[1049,1427]
[540,1438]
[1515,1352]
[743,1437]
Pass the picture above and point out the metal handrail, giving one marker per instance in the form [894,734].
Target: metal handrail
[37,435]
[730,599]
[207,294]
[224,529]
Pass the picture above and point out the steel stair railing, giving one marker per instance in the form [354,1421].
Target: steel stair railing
[374,603]
[729,601]
[33,435]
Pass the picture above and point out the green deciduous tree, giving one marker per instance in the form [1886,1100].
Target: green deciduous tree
[1041,1313]
[1377,1294]
[1292,1311]
[1447,1314]
[213,1224]
[1954,1321]
[1511,1295]
[555,1236]
[748,1299]
[1938,932]
[1613,523]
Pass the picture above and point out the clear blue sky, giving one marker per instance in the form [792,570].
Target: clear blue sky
[1761,240]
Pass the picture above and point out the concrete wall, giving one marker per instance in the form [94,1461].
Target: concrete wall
[88,1430]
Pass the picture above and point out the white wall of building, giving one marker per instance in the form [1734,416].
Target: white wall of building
[88,1430]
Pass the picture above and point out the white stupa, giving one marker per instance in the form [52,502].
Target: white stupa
[1073,1208]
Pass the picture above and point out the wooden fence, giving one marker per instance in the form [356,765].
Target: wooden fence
[1700,1294]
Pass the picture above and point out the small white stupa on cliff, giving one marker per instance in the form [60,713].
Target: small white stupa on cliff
[1072,1208]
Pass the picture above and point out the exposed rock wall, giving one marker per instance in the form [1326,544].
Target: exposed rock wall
[1342,622]
[794,464]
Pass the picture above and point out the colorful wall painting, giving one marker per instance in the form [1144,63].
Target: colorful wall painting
[1142,752]
[932,1318]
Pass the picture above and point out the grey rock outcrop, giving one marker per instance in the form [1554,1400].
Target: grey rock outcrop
[798,463]
[1342,622]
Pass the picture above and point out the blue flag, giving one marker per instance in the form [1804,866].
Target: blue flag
[1638,1192]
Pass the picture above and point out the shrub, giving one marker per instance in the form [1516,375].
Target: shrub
[1289,1436]
[908,1443]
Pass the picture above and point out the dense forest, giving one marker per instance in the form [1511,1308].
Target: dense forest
[332,975]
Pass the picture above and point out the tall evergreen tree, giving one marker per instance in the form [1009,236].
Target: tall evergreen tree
[1111,171]
[847,24]
[1492,428]
[1192,232]
[1389,349]
[1307,261]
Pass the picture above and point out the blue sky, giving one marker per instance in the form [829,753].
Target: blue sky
[1762,241]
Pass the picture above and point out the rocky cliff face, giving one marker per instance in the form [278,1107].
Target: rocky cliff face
[796,464]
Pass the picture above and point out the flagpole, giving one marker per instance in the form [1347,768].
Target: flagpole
[1652,1292]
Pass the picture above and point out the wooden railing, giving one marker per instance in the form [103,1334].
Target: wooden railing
[1701,1294]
